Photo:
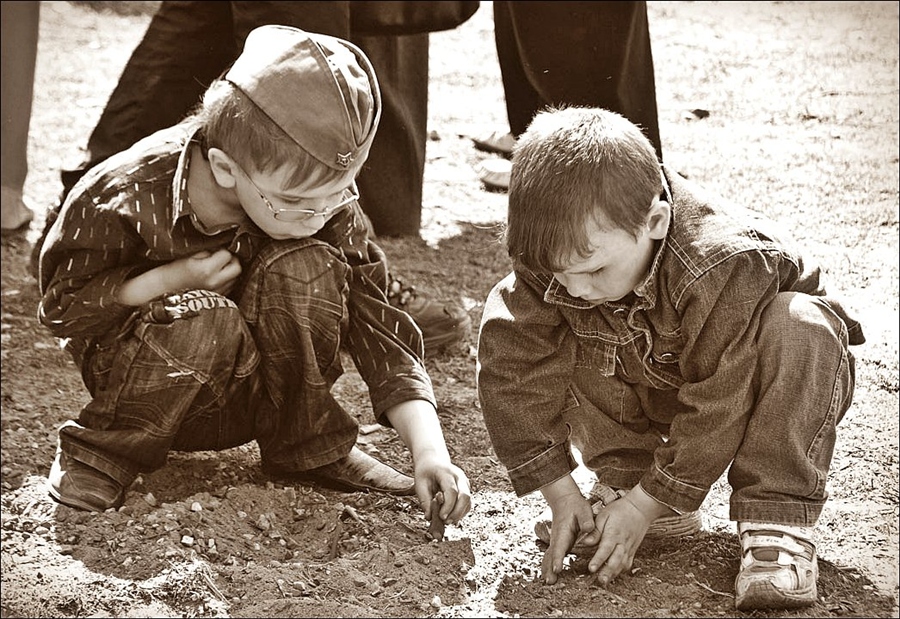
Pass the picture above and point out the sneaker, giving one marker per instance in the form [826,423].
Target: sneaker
[355,472]
[494,174]
[441,324]
[78,485]
[602,495]
[498,142]
[779,568]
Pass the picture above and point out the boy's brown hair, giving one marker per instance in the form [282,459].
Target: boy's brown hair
[571,164]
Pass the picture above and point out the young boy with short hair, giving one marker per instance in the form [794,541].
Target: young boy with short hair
[208,278]
[668,335]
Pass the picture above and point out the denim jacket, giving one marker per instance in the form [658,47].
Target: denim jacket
[688,329]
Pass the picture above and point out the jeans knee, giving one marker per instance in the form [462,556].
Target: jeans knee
[301,278]
[795,319]
[305,261]
[204,330]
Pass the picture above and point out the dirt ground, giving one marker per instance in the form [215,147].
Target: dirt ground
[803,125]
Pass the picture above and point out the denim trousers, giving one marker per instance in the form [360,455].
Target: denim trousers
[257,366]
[802,386]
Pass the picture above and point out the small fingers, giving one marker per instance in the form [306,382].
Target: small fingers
[608,569]
[548,571]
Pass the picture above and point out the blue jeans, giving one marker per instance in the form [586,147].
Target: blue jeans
[259,367]
[802,386]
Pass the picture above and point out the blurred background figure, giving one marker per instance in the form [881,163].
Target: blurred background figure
[594,54]
[20,21]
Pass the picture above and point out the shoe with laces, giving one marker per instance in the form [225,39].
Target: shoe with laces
[355,472]
[602,495]
[779,568]
[442,324]
[78,485]
[498,142]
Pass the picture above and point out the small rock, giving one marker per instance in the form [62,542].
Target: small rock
[436,601]
[196,507]
[150,499]
[187,540]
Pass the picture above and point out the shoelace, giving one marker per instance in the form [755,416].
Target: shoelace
[401,294]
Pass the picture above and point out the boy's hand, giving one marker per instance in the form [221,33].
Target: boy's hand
[443,490]
[573,522]
[442,487]
[217,271]
[622,525]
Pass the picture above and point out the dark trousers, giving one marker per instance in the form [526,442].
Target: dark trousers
[577,53]
[20,44]
[189,44]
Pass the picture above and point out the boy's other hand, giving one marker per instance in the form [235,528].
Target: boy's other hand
[443,490]
[216,271]
[573,521]
[622,526]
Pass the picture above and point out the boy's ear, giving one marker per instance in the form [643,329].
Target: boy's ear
[223,167]
[658,220]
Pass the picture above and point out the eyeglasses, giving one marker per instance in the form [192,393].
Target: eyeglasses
[295,215]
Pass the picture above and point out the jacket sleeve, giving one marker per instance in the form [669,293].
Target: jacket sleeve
[526,355]
[384,342]
[81,271]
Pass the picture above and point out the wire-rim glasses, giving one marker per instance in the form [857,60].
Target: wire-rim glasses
[295,215]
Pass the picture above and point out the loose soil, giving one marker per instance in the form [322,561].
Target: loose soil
[802,102]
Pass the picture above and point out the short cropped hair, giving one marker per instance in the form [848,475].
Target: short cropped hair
[231,122]
[572,164]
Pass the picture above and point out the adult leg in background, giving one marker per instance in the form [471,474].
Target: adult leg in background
[21,22]
[606,60]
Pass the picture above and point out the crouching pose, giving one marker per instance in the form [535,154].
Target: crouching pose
[667,334]
[208,278]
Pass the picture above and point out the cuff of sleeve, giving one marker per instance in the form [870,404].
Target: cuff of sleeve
[677,495]
[381,405]
[544,468]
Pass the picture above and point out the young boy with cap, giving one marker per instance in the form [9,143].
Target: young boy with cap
[668,334]
[208,278]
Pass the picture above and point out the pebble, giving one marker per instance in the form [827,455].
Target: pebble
[196,507]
